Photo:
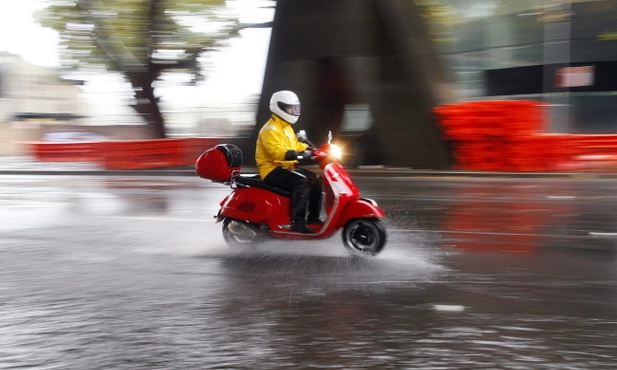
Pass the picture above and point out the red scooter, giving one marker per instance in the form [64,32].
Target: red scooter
[255,211]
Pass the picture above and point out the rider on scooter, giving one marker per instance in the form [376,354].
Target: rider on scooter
[277,153]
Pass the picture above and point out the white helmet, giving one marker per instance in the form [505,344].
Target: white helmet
[286,105]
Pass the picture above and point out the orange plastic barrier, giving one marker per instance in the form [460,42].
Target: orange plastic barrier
[143,154]
[65,152]
[126,155]
[510,136]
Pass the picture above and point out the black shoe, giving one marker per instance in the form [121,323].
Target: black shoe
[301,228]
[315,222]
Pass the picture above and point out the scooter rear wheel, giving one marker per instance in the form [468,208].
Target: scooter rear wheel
[240,233]
[364,236]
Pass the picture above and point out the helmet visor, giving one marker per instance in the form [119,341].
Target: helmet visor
[293,109]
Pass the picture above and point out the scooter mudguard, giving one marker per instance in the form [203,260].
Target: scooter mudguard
[254,205]
[360,208]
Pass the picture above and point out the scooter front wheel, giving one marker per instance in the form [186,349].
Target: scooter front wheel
[240,233]
[364,236]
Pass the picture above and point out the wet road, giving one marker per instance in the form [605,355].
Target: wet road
[133,273]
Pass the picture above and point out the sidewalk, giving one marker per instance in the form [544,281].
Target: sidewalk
[28,166]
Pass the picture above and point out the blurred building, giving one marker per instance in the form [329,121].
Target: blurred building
[560,52]
[32,97]
[33,93]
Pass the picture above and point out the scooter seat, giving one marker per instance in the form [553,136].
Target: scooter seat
[256,182]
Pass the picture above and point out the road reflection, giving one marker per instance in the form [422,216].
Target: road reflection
[503,218]
[130,274]
[320,310]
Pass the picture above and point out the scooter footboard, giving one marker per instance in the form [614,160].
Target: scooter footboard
[361,208]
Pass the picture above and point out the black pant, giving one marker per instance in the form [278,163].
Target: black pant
[305,189]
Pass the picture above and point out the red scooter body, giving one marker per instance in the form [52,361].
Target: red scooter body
[251,212]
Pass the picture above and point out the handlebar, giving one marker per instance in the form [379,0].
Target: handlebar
[324,154]
[303,138]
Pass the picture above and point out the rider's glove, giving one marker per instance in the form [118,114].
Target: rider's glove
[306,157]
[291,155]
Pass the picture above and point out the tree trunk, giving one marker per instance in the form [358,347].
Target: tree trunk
[147,106]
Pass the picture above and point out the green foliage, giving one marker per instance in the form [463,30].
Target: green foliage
[136,35]
[140,39]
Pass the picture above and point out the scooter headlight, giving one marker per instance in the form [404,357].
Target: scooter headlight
[336,152]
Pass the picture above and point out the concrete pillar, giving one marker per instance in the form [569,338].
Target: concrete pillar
[375,52]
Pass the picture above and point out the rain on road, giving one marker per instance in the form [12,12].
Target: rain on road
[132,273]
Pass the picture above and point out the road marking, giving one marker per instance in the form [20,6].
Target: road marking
[539,235]
[561,197]
[449,308]
[595,233]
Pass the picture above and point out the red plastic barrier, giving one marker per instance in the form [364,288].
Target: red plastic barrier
[65,152]
[594,152]
[509,136]
[126,155]
[143,154]
[486,119]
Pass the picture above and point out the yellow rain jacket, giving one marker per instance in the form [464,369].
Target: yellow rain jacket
[275,138]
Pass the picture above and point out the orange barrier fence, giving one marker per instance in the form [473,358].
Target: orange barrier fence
[510,136]
[126,155]
[65,152]
[141,154]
